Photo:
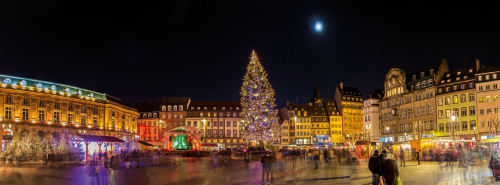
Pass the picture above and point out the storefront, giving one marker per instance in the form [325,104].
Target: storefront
[303,141]
[321,139]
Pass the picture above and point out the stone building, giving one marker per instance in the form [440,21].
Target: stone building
[371,114]
[456,95]
[52,111]
[159,116]
[408,107]
[335,119]
[221,122]
[320,124]
[349,102]
[488,103]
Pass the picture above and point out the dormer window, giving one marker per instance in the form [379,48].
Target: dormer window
[429,83]
[164,108]
[197,108]
[494,76]
[237,108]
[449,80]
[458,73]
[422,74]
[447,75]
[418,85]
[480,78]
[465,77]
[230,108]
[487,77]
[192,108]
[223,108]
[204,108]
[215,108]
[423,84]
[432,72]
[414,77]
[458,78]
[442,81]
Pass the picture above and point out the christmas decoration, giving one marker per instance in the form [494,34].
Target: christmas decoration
[260,122]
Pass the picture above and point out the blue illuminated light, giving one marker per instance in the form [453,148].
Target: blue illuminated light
[318,26]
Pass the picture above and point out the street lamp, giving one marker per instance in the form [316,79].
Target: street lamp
[387,128]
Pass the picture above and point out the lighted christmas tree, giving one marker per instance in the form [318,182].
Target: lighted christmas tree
[260,122]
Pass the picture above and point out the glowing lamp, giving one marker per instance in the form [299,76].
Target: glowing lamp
[49,122]
[17,119]
[453,118]
[63,123]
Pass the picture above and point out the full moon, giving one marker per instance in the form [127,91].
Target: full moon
[318,26]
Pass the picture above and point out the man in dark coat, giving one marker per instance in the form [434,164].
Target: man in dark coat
[115,166]
[266,168]
[375,166]
[391,171]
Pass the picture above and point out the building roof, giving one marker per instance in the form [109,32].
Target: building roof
[488,69]
[316,97]
[464,75]
[105,139]
[332,108]
[300,107]
[346,90]
[427,73]
[7,79]
[377,94]
[217,104]
[155,105]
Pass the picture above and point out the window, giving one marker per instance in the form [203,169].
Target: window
[463,98]
[25,114]
[42,103]
[235,133]
[480,78]
[495,86]
[441,127]
[189,123]
[464,111]
[8,99]
[440,114]
[471,97]
[163,108]
[471,85]
[487,77]
[26,101]
[464,125]
[94,121]
[455,99]
[417,113]
[472,125]
[169,108]
[481,99]
[440,90]
[221,124]
[84,110]
[462,86]
[96,111]
[150,115]
[41,115]
[447,89]
[56,117]
[154,115]
[488,98]
[495,97]
[440,101]
[235,124]
[481,111]
[228,124]
[56,105]
[487,87]
[70,118]
[447,100]
[480,88]
[494,76]
[181,108]
[448,113]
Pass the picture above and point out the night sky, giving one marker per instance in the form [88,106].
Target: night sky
[143,50]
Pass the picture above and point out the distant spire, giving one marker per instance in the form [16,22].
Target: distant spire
[316,97]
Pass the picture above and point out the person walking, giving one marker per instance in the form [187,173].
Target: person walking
[295,155]
[135,157]
[325,155]
[402,157]
[115,166]
[127,159]
[316,159]
[418,156]
[266,168]
[107,165]
[375,166]
[93,170]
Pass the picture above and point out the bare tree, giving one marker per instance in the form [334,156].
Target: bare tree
[494,122]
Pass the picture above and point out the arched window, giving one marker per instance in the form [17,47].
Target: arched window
[56,136]
[215,132]
[175,107]
[209,132]
[169,108]
[429,83]
[150,115]
[181,108]
[235,133]
[418,85]
[144,116]
[228,133]
[163,108]
[423,84]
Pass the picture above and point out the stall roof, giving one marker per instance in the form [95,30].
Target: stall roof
[490,140]
[108,139]
[145,143]
[363,143]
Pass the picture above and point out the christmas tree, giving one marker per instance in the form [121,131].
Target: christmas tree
[260,123]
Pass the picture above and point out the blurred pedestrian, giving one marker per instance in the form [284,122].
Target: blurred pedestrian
[107,165]
[93,170]
[316,158]
[375,166]
[418,156]
[266,168]
[115,166]
[402,157]
[391,172]
[127,159]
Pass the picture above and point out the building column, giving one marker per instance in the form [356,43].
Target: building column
[86,149]
[111,146]
[99,143]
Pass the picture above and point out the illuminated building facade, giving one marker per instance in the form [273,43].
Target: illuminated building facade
[299,117]
[408,107]
[220,121]
[159,116]
[349,102]
[456,95]
[335,119]
[487,83]
[371,113]
[51,111]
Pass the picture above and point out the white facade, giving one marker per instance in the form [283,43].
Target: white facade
[371,121]
[285,134]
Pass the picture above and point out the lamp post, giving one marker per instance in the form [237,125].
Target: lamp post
[453,118]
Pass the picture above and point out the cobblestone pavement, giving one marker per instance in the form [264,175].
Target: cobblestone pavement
[203,171]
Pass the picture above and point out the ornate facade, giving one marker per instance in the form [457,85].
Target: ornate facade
[51,110]
[408,107]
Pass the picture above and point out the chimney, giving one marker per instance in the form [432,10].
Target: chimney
[341,85]
[478,66]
